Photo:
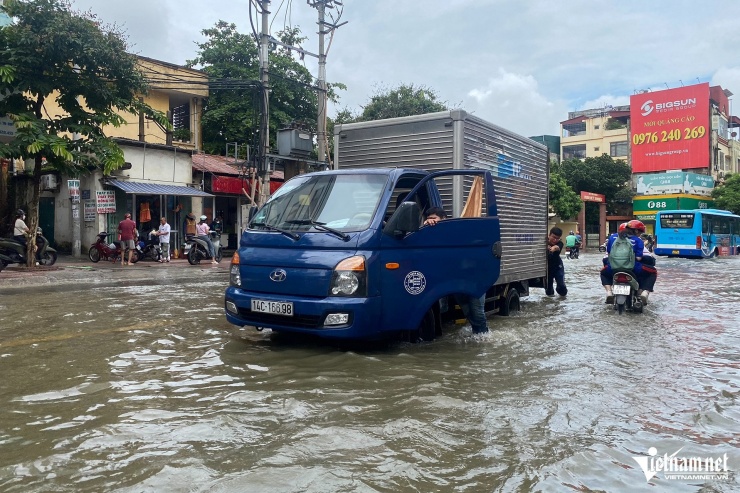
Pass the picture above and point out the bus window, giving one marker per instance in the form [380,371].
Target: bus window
[677,221]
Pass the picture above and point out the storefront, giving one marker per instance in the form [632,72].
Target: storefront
[221,177]
[149,202]
[645,207]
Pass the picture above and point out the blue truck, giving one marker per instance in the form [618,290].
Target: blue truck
[343,253]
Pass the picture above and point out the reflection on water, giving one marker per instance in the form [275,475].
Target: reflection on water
[147,388]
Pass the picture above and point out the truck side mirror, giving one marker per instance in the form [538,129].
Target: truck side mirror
[405,220]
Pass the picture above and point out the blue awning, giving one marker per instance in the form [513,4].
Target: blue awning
[142,188]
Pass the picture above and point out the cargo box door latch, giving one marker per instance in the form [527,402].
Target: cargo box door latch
[497,249]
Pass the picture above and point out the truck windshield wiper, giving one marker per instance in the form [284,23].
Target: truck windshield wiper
[321,226]
[273,228]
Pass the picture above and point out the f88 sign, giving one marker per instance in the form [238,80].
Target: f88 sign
[670,129]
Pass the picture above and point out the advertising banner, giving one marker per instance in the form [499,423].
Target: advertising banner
[74,190]
[675,182]
[106,201]
[670,129]
[645,207]
[89,210]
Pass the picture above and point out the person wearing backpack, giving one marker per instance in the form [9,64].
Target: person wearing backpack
[645,270]
[622,259]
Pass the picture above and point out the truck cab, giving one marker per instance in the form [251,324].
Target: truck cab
[343,254]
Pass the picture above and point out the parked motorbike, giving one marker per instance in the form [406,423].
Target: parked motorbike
[150,248]
[102,250]
[625,289]
[198,249]
[4,261]
[15,251]
[602,247]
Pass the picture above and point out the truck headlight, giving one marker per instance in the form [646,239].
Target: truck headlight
[235,277]
[349,278]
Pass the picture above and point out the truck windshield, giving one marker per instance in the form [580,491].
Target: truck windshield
[322,202]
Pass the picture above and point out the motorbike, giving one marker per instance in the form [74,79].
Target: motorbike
[574,252]
[602,247]
[197,249]
[102,250]
[15,251]
[4,261]
[625,289]
[150,248]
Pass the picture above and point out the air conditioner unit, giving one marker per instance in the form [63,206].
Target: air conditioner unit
[49,182]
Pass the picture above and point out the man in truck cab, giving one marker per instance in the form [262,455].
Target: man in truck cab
[473,308]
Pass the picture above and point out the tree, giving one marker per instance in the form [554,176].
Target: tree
[52,52]
[727,195]
[564,201]
[405,100]
[602,175]
[233,110]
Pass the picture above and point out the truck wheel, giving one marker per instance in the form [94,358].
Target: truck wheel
[426,329]
[511,303]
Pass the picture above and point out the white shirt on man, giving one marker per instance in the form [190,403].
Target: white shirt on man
[164,230]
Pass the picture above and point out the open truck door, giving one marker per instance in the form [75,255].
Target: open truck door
[459,255]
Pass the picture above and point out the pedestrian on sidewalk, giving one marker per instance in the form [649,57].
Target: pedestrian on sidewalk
[128,235]
[164,239]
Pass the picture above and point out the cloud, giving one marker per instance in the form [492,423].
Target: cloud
[514,101]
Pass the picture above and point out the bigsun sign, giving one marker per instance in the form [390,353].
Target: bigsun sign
[670,129]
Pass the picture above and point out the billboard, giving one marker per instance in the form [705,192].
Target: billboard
[670,129]
[675,182]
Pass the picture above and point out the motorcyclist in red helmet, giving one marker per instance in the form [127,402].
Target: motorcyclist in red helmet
[646,275]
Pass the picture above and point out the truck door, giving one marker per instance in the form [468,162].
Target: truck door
[457,255]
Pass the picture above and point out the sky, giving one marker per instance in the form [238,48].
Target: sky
[521,64]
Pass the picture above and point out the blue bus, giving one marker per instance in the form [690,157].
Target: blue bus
[698,233]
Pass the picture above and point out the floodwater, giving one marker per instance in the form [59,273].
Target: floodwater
[142,386]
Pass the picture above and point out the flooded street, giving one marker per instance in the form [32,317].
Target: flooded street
[130,385]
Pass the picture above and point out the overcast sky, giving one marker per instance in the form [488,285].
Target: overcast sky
[522,64]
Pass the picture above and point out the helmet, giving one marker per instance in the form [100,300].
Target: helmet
[571,233]
[636,225]
[622,228]
[20,213]
[203,218]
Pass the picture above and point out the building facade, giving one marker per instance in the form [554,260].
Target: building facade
[670,137]
[157,180]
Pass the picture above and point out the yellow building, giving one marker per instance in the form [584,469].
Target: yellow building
[591,133]
[176,91]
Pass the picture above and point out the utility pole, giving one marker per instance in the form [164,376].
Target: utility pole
[265,79]
[324,29]
[321,124]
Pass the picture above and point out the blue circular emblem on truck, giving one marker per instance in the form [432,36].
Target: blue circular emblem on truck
[415,282]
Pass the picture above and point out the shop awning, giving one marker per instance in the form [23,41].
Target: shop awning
[142,188]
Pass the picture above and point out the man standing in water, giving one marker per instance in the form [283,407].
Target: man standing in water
[555,269]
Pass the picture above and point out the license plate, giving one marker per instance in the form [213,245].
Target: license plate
[274,307]
[621,289]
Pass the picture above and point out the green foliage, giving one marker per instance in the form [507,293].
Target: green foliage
[564,201]
[727,195]
[613,124]
[182,134]
[232,112]
[51,51]
[602,175]
[404,100]
[48,52]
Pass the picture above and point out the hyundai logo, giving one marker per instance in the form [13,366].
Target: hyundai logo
[278,275]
